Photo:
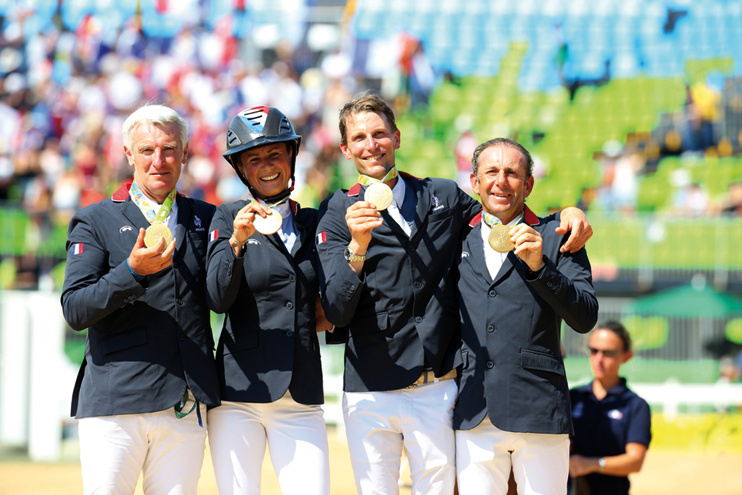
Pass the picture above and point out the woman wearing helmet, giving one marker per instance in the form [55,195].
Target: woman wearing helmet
[268,285]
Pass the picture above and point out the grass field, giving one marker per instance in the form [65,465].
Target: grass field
[664,473]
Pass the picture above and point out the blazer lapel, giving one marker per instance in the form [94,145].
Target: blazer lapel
[507,265]
[132,213]
[475,247]
[184,218]
[422,209]
[392,223]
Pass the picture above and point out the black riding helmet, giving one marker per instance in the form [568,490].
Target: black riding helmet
[256,127]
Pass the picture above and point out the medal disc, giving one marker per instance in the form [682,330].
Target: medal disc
[156,231]
[380,195]
[499,238]
[268,225]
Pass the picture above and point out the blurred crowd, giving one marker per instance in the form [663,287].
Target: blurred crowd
[675,168]
[64,95]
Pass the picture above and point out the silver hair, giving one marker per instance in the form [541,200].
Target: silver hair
[154,114]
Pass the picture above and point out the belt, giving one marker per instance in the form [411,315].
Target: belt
[429,377]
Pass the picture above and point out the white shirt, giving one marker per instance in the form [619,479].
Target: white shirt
[398,194]
[494,259]
[287,232]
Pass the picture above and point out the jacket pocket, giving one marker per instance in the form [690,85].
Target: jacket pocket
[541,361]
[370,323]
[123,340]
[242,340]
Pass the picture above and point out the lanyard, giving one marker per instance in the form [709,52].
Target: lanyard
[367,180]
[146,207]
[491,220]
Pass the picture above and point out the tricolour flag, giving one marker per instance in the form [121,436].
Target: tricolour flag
[321,237]
[213,235]
[77,248]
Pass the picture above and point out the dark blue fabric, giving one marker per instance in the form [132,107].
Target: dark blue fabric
[604,427]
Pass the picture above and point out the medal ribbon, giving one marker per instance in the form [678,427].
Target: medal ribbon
[145,204]
[491,220]
[252,198]
[368,180]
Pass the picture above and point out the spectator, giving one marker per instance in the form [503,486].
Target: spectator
[612,423]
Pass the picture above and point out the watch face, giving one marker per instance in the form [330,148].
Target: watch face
[352,257]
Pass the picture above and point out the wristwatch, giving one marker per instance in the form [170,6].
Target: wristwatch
[601,463]
[352,257]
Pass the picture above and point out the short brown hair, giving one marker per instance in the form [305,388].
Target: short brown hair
[365,102]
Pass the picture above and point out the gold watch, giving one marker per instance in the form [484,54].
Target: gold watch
[352,257]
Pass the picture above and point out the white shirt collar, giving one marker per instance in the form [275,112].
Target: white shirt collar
[398,192]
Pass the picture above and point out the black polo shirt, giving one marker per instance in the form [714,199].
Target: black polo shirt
[604,427]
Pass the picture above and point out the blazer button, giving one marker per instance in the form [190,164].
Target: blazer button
[492,293]
[289,333]
[292,278]
[289,305]
[490,328]
[180,302]
[418,284]
[490,364]
[181,335]
[418,319]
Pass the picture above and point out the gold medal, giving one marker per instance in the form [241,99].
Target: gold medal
[155,232]
[268,225]
[380,195]
[499,238]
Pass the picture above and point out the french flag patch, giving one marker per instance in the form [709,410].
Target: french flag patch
[213,235]
[77,248]
[321,237]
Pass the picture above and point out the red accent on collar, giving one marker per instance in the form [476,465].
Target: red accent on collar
[122,192]
[530,217]
[294,206]
[475,220]
[355,190]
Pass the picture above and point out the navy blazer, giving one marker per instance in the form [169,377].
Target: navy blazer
[146,341]
[510,329]
[401,314]
[269,340]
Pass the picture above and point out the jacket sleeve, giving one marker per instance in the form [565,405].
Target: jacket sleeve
[469,205]
[223,269]
[342,287]
[92,290]
[567,287]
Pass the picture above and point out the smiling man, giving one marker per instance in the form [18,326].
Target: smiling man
[135,278]
[516,285]
[390,291]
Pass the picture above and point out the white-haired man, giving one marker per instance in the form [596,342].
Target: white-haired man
[135,278]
